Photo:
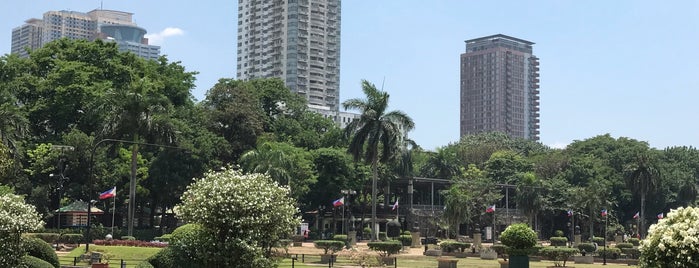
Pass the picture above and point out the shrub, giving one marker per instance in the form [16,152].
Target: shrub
[633,253]
[501,250]
[144,264]
[165,258]
[518,236]
[624,245]
[47,237]
[72,238]
[385,249]
[406,232]
[453,246]
[163,238]
[610,253]
[586,247]
[598,240]
[559,255]
[634,241]
[382,236]
[329,245]
[558,233]
[16,217]
[34,262]
[672,242]
[36,247]
[126,237]
[559,241]
[406,240]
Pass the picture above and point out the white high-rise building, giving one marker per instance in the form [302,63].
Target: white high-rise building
[297,41]
[109,25]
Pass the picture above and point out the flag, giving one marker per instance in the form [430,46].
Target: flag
[660,216]
[339,202]
[636,216]
[604,213]
[108,193]
[490,209]
[570,213]
[395,205]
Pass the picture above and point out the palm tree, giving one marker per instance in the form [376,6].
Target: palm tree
[269,159]
[376,135]
[642,175]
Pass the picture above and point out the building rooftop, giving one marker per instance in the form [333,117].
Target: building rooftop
[496,36]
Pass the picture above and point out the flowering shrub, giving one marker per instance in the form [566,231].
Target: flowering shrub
[673,241]
[16,217]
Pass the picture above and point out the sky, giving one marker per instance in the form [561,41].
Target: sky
[627,68]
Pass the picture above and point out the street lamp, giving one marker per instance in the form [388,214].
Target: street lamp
[344,194]
[61,179]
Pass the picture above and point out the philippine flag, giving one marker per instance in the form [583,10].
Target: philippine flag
[570,213]
[636,216]
[604,213]
[109,193]
[395,205]
[490,209]
[339,202]
[660,216]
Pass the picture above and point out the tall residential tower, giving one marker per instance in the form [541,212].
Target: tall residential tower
[500,87]
[108,25]
[297,41]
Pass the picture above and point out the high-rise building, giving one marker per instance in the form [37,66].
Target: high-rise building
[108,25]
[500,87]
[296,41]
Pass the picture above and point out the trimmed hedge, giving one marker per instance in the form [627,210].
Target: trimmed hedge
[633,253]
[72,238]
[559,241]
[598,240]
[624,245]
[610,253]
[126,237]
[453,246]
[145,264]
[47,237]
[634,241]
[163,238]
[558,254]
[382,236]
[586,247]
[406,240]
[38,248]
[343,238]
[34,262]
[500,249]
[329,245]
[387,248]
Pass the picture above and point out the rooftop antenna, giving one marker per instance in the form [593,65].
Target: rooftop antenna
[382,82]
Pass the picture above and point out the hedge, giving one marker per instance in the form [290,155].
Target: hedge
[387,248]
[406,240]
[624,245]
[38,248]
[586,247]
[558,254]
[47,237]
[329,245]
[127,237]
[559,241]
[610,253]
[633,253]
[598,240]
[34,262]
[451,246]
[72,238]
[634,241]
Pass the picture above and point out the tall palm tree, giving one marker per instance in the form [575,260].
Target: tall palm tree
[270,159]
[642,176]
[375,137]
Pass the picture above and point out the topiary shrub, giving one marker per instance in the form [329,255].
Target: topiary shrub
[624,245]
[559,255]
[36,247]
[34,262]
[343,238]
[386,248]
[558,233]
[519,238]
[634,241]
[166,258]
[406,232]
[406,240]
[586,248]
[559,241]
[598,240]
[632,253]
[382,236]
[453,246]
[610,253]
[72,238]
[331,246]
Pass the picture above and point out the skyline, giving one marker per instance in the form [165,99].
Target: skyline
[626,68]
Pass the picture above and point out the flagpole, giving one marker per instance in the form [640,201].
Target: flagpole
[113,211]
[604,236]
[343,219]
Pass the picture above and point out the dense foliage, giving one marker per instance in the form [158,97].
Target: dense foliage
[39,248]
[16,217]
[673,242]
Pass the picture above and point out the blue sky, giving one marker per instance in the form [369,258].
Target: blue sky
[628,68]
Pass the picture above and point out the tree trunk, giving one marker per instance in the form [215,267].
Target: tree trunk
[132,186]
[374,175]
[643,214]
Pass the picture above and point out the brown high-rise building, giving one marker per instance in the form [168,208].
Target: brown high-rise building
[500,87]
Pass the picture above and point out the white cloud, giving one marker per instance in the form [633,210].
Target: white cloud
[559,145]
[159,38]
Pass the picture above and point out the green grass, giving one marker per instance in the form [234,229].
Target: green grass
[131,255]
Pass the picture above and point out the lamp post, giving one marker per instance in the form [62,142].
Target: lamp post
[61,180]
[132,192]
[344,194]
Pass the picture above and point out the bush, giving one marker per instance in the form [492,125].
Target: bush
[610,253]
[559,241]
[558,255]
[634,241]
[34,262]
[501,250]
[382,236]
[406,232]
[598,240]
[633,253]
[329,245]
[72,238]
[672,242]
[406,240]
[558,233]
[518,236]
[47,237]
[163,238]
[385,249]
[453,246]
[586,247]
[38,248]
[126,237]
[145,264]
[624,245]
[165,258]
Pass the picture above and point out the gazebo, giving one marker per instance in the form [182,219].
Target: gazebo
[75,214]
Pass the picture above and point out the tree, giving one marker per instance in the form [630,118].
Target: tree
[16,217]
[642,176]
[467,196]
[442,164]
[240,211]
[376,135]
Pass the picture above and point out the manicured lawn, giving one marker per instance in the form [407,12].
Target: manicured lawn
[131,255]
